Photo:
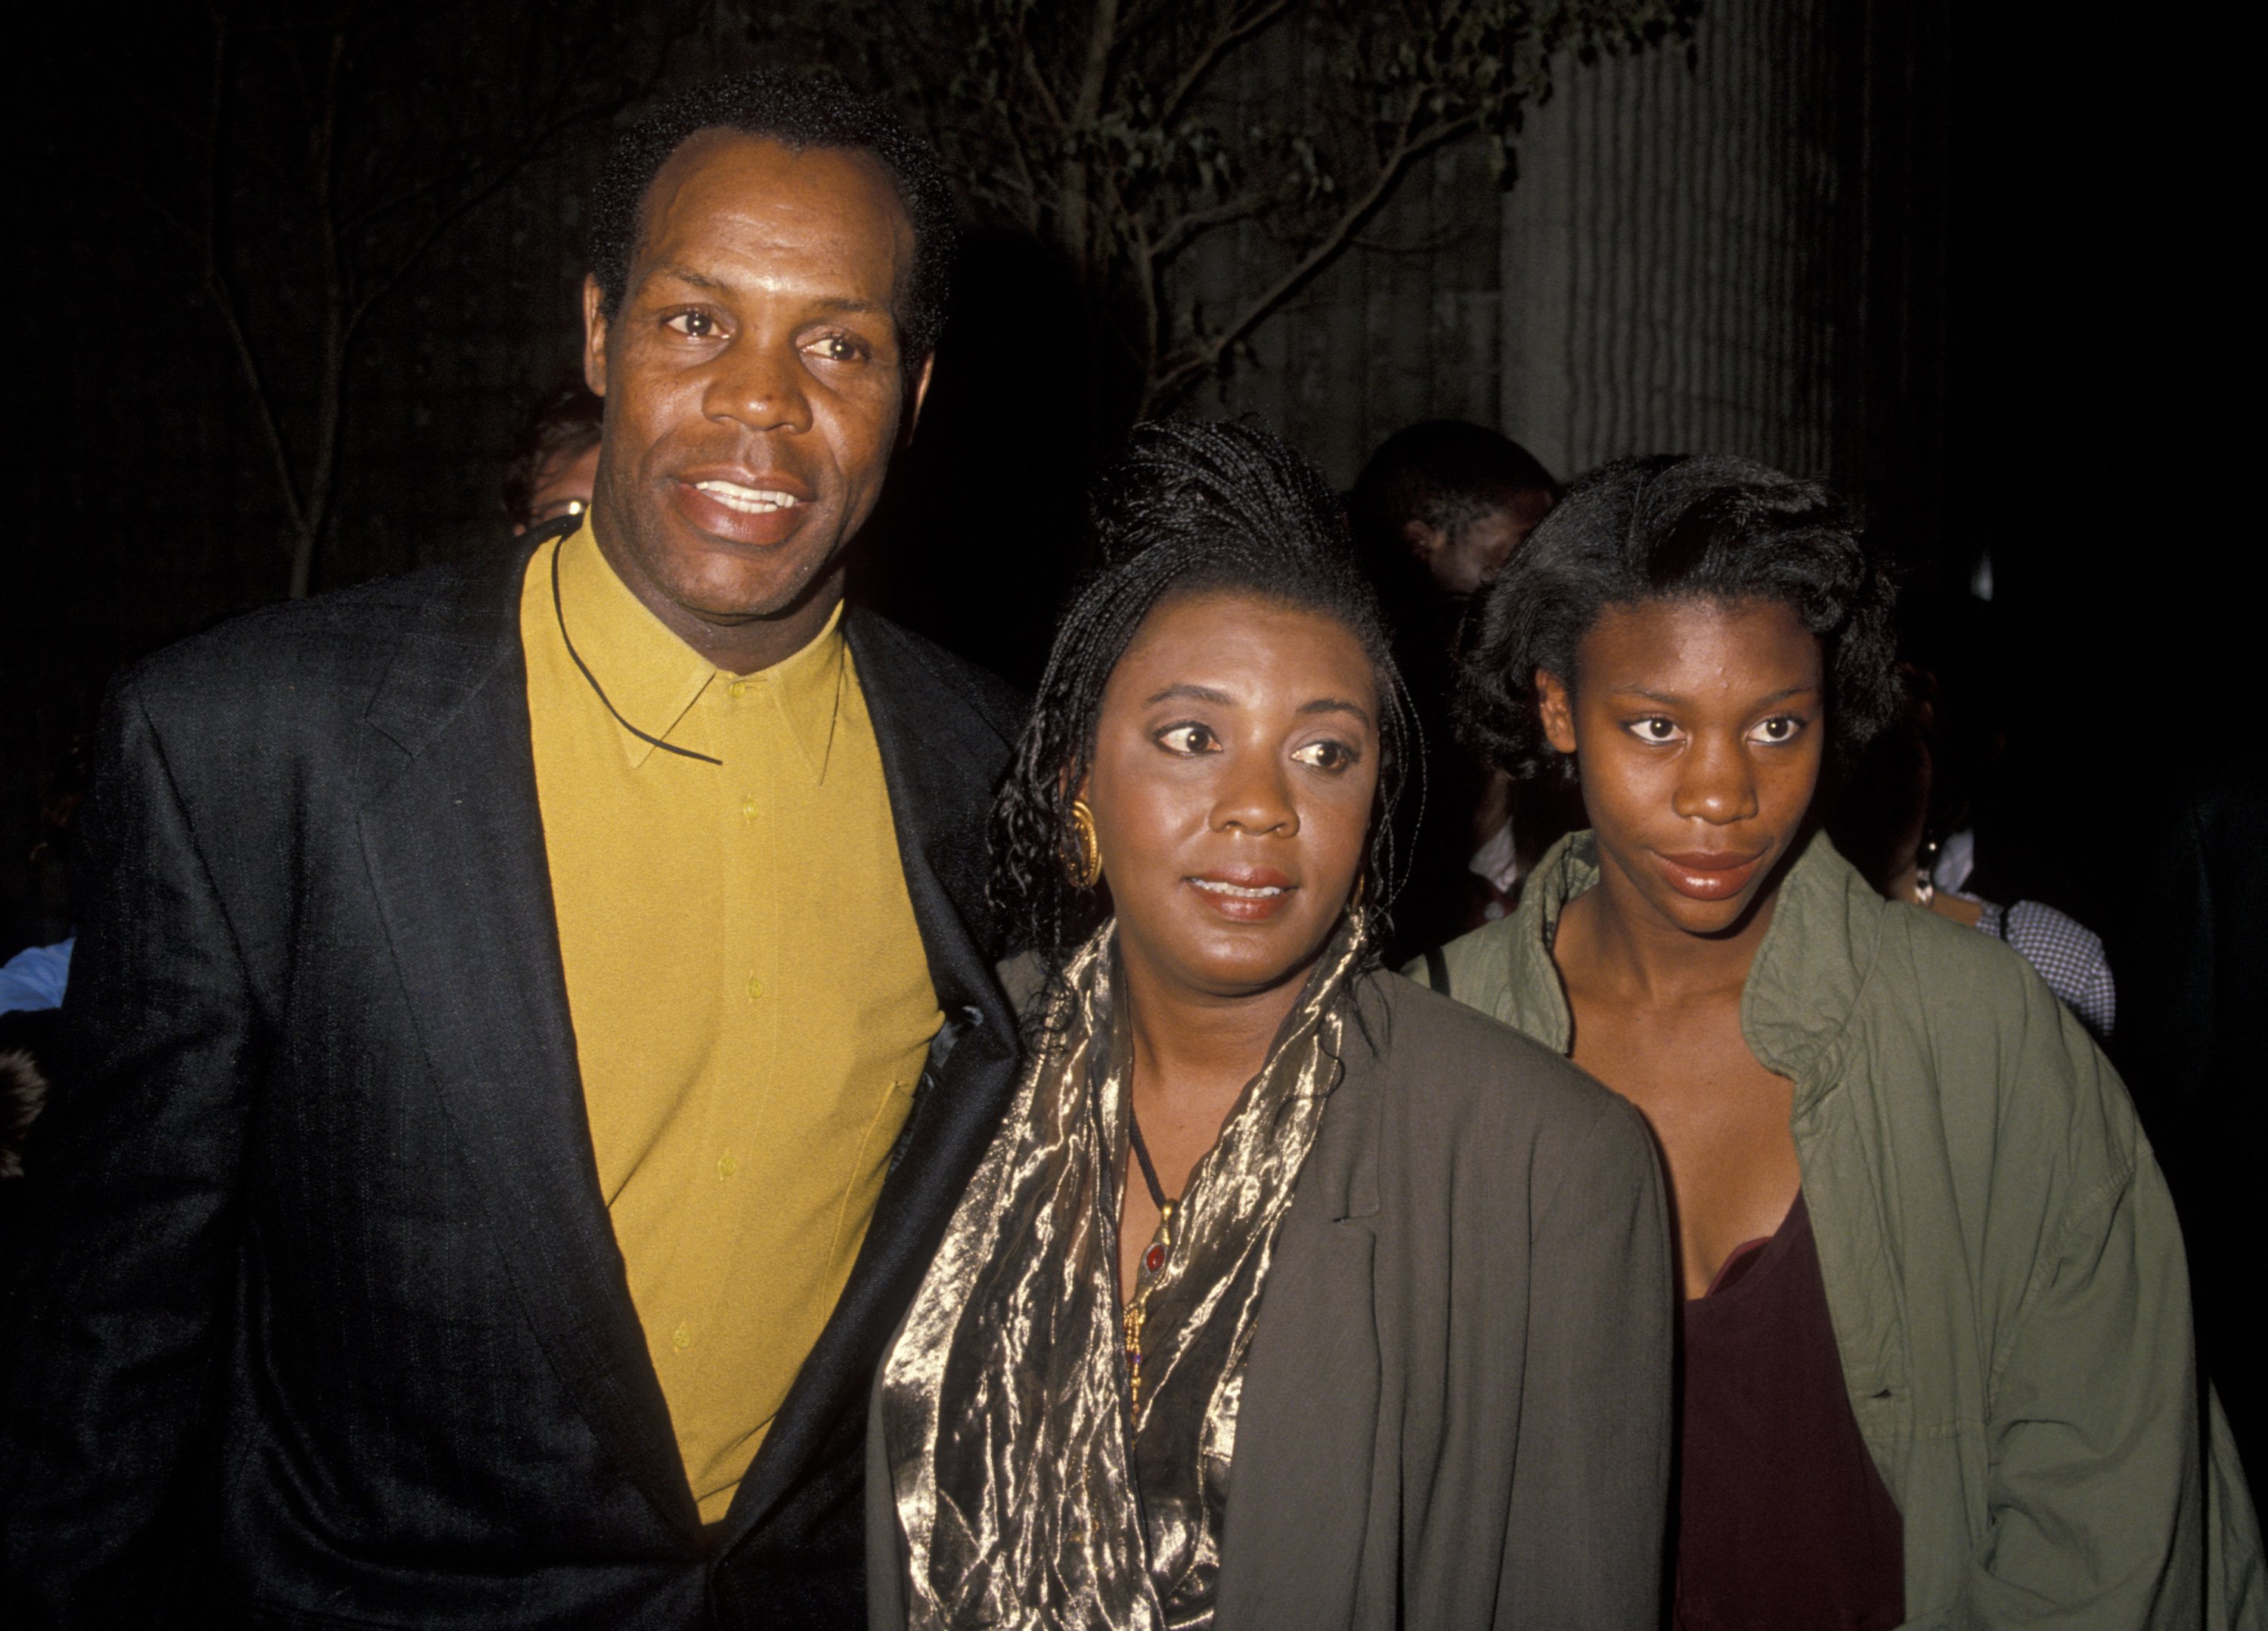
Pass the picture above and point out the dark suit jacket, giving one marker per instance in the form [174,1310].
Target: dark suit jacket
[319,1308]
[1456,1408]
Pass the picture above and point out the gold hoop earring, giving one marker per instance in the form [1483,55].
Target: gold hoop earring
[1354,901]
[1087,865]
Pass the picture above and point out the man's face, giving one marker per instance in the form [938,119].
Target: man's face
[752,375]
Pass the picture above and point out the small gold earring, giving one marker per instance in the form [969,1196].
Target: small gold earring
[1354,901]
[1086,867]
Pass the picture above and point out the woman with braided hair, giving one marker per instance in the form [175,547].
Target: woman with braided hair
[1289,1294]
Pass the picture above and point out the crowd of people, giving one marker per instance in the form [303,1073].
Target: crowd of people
[1446,1070]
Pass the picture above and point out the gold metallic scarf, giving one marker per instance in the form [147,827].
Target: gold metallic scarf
[1024,1495]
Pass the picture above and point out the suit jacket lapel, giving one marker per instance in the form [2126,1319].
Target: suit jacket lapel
[454,846]
[1287,1557]
[940,763]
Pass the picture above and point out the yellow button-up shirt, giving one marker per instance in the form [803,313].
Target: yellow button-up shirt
[751,1003]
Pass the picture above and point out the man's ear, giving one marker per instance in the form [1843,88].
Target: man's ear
[595,336]
[916,398]
[1557,706]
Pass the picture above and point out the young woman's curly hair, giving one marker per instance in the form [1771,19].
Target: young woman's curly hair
[1186,510]
[1687,526]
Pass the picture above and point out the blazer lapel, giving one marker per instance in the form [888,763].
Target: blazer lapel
[940,758]
[454,846]
[1291,1552]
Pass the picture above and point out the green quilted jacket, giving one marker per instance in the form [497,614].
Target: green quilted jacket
[2003,1265]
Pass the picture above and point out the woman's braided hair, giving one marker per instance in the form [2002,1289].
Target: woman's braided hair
[1186,510]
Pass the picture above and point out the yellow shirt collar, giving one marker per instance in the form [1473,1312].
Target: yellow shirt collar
[653,678]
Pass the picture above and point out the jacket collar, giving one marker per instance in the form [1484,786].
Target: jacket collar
[467,629]
[1802,988]
[653,680]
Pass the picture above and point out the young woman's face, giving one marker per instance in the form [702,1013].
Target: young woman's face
[1697,727]
[1235,763]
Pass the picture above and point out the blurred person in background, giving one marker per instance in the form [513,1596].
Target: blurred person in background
[1437,510]
[555,460]
[31,995]
[33,981]
[1455,499]
[1903,818]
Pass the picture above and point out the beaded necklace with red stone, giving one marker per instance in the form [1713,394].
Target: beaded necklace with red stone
[1153,1261]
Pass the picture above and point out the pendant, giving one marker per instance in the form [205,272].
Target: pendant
[1134,1351]
[1153,1262]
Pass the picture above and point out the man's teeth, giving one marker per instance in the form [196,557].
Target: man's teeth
[1241,891]
[748,500]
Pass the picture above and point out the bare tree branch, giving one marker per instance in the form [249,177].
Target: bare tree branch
[480,193]
[1187,227]
[1094,74]
[351,167]
[1239,29]
[335,334]
[1089,121]
[1176,378]
[215,284]
[1040,88]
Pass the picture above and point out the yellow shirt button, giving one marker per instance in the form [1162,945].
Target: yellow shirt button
[756,988]
[681,1337]
[727,1166]
[749,811]
[736,688]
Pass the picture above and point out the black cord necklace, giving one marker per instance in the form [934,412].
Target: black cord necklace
[1153,1260]
[597,691]
[1149,1172]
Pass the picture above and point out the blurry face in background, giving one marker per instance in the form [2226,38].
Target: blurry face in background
[1462,559]
[1236,760]
[1697,728]
[752,374]
[563,486]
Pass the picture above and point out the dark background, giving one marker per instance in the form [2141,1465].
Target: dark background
[2043,364]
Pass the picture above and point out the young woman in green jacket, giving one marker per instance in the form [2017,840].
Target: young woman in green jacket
[1937,1365]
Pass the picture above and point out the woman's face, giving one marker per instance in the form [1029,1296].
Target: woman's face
[1697,727]
[1235,763]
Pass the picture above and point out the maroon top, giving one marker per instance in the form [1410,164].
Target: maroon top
[1783,1523]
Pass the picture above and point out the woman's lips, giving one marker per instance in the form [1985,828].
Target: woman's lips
[1244,895]
[1702,875]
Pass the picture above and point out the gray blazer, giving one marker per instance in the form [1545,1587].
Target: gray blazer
[1457,1412]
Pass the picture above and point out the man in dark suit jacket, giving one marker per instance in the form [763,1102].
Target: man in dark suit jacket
[330,1312]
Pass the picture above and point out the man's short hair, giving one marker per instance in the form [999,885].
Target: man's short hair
[563,423]
[801,112]
[1444,474]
